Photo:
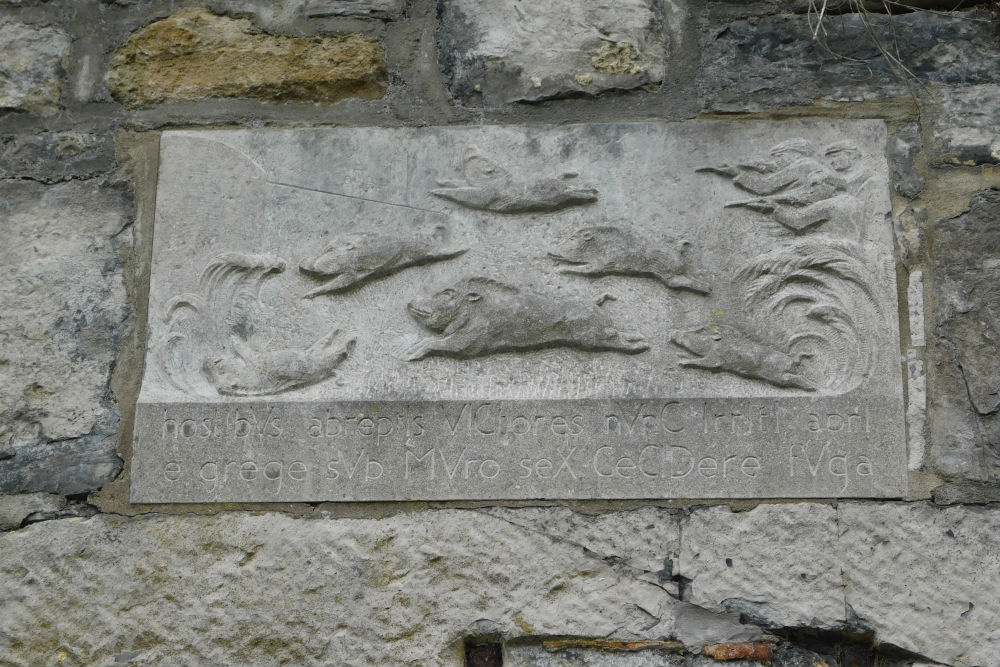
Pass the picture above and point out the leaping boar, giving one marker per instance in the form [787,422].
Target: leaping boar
[480,316]
[720,347]
[488,187]
[353,259]
[606,251]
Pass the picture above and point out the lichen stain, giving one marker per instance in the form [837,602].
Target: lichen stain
[618,58]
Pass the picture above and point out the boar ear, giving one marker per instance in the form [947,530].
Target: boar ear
[440,231]
[473,296]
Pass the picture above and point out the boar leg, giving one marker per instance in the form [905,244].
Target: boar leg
[683,282]
[460,341]
[341,282]
[712,360]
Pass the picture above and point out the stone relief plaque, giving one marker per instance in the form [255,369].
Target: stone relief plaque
[686,310]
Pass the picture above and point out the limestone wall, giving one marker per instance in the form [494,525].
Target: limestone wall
[90,579]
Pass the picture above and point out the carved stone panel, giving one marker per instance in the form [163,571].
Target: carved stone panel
[693,310]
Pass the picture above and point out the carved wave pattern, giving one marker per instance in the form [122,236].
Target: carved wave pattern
[212,343]
[816,298]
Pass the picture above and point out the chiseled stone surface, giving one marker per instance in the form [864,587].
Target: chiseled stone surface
[196,54]
[925,579]
[776,564]
[963,384]
[647,539]
[14,509]
[64,312]
[31,66]
[500,52]
[755,65]
[262,589]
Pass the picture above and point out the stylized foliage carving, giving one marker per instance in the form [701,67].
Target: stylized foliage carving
[211,342]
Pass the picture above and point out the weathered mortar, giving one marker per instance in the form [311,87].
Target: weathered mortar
[82,166]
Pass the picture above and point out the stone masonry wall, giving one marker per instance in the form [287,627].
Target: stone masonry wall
[90,579]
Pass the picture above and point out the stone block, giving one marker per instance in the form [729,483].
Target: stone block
[773,62]
[501,52]
[646,539]
[14,509]
[31,67]
[50,157]
[904,144]
[925,579]
[777,565]
[973,493]
[966,126]
[64,314]
[966,257]
[267,589]
[374,8]
[195,54]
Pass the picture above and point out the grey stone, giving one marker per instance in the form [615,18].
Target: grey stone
[539,656]
[50,157]
[420,321]
[696,627]
[377,8]
[773,62]
[966,127]
[966,257]
[64,312]
[925,579]
[974,493]
[798,657]
[31,67]
[777,565]
[70,466]
[405,590]
[496,53]
[904,144]
[16,508]
[645,539]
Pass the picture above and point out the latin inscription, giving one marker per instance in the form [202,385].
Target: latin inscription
[648,447]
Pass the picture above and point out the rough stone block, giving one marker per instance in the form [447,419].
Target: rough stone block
[966,126]
[501,52]
[647,539]
[776,564]
[773,62]
[925,579]
[966,257]
[64,312]
[376,8]
[196,54]
[956,493]
[267,589]
[904,144]
[31,67]
[50,157]
[16,508]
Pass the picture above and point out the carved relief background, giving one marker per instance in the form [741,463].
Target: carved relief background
[609,261]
